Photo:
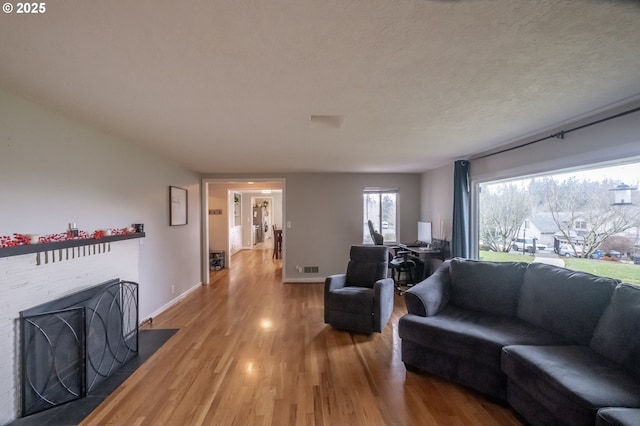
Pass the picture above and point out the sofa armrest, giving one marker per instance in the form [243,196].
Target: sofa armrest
[333,282]
[383,288]
[430,296]
[383,307]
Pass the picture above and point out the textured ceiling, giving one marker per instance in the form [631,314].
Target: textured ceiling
[230,86]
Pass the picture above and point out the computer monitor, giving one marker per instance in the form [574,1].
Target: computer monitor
[424,232]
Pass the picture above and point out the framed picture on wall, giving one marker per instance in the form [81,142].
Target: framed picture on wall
[177,206]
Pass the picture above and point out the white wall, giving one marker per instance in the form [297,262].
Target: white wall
[436,201]
[325,211]
[54,171]
[218,224]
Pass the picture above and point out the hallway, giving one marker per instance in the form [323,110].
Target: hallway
[251,350]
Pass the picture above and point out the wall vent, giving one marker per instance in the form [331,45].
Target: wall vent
[311,269]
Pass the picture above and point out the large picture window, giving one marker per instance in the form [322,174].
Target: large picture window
[380,207]
[566,218]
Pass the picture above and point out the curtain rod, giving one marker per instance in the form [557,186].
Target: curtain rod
[560,134]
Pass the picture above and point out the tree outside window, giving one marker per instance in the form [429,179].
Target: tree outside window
[503,210]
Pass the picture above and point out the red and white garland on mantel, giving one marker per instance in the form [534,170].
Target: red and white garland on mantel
[26,239]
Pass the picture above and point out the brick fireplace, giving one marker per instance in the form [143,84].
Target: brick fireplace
[27,280]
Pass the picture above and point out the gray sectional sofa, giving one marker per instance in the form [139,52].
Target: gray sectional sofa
[557,345]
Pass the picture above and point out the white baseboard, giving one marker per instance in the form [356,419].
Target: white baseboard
[171,303]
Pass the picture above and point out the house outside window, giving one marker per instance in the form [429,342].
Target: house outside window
[380,207]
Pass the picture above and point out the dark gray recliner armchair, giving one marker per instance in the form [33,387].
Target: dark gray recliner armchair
[362,299]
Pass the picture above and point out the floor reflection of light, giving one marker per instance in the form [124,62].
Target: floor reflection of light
[266,324]
[250,368]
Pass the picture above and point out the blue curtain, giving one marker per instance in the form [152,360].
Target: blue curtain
[461,210]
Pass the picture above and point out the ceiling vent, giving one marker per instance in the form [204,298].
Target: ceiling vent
[325,121]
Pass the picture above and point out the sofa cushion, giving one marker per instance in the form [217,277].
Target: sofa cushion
[566,302]
[473,335]
[617,336]
[616,416]
[572,380]
[492,287]
[356,300]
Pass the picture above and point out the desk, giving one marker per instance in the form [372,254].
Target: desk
[424,254]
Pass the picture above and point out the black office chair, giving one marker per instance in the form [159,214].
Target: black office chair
[398,260]
[377,237]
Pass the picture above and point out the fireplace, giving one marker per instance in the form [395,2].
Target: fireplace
[72,344]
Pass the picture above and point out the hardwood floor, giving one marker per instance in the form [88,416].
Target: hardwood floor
[251,350]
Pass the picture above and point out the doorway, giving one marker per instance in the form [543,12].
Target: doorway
[228,216]
[262,216]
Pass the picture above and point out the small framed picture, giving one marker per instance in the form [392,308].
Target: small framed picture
[177,206]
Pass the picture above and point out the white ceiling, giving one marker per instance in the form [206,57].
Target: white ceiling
[229,86]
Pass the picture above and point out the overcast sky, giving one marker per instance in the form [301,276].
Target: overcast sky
[628,174]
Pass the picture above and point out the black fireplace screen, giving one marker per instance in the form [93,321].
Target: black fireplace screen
[71,345]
